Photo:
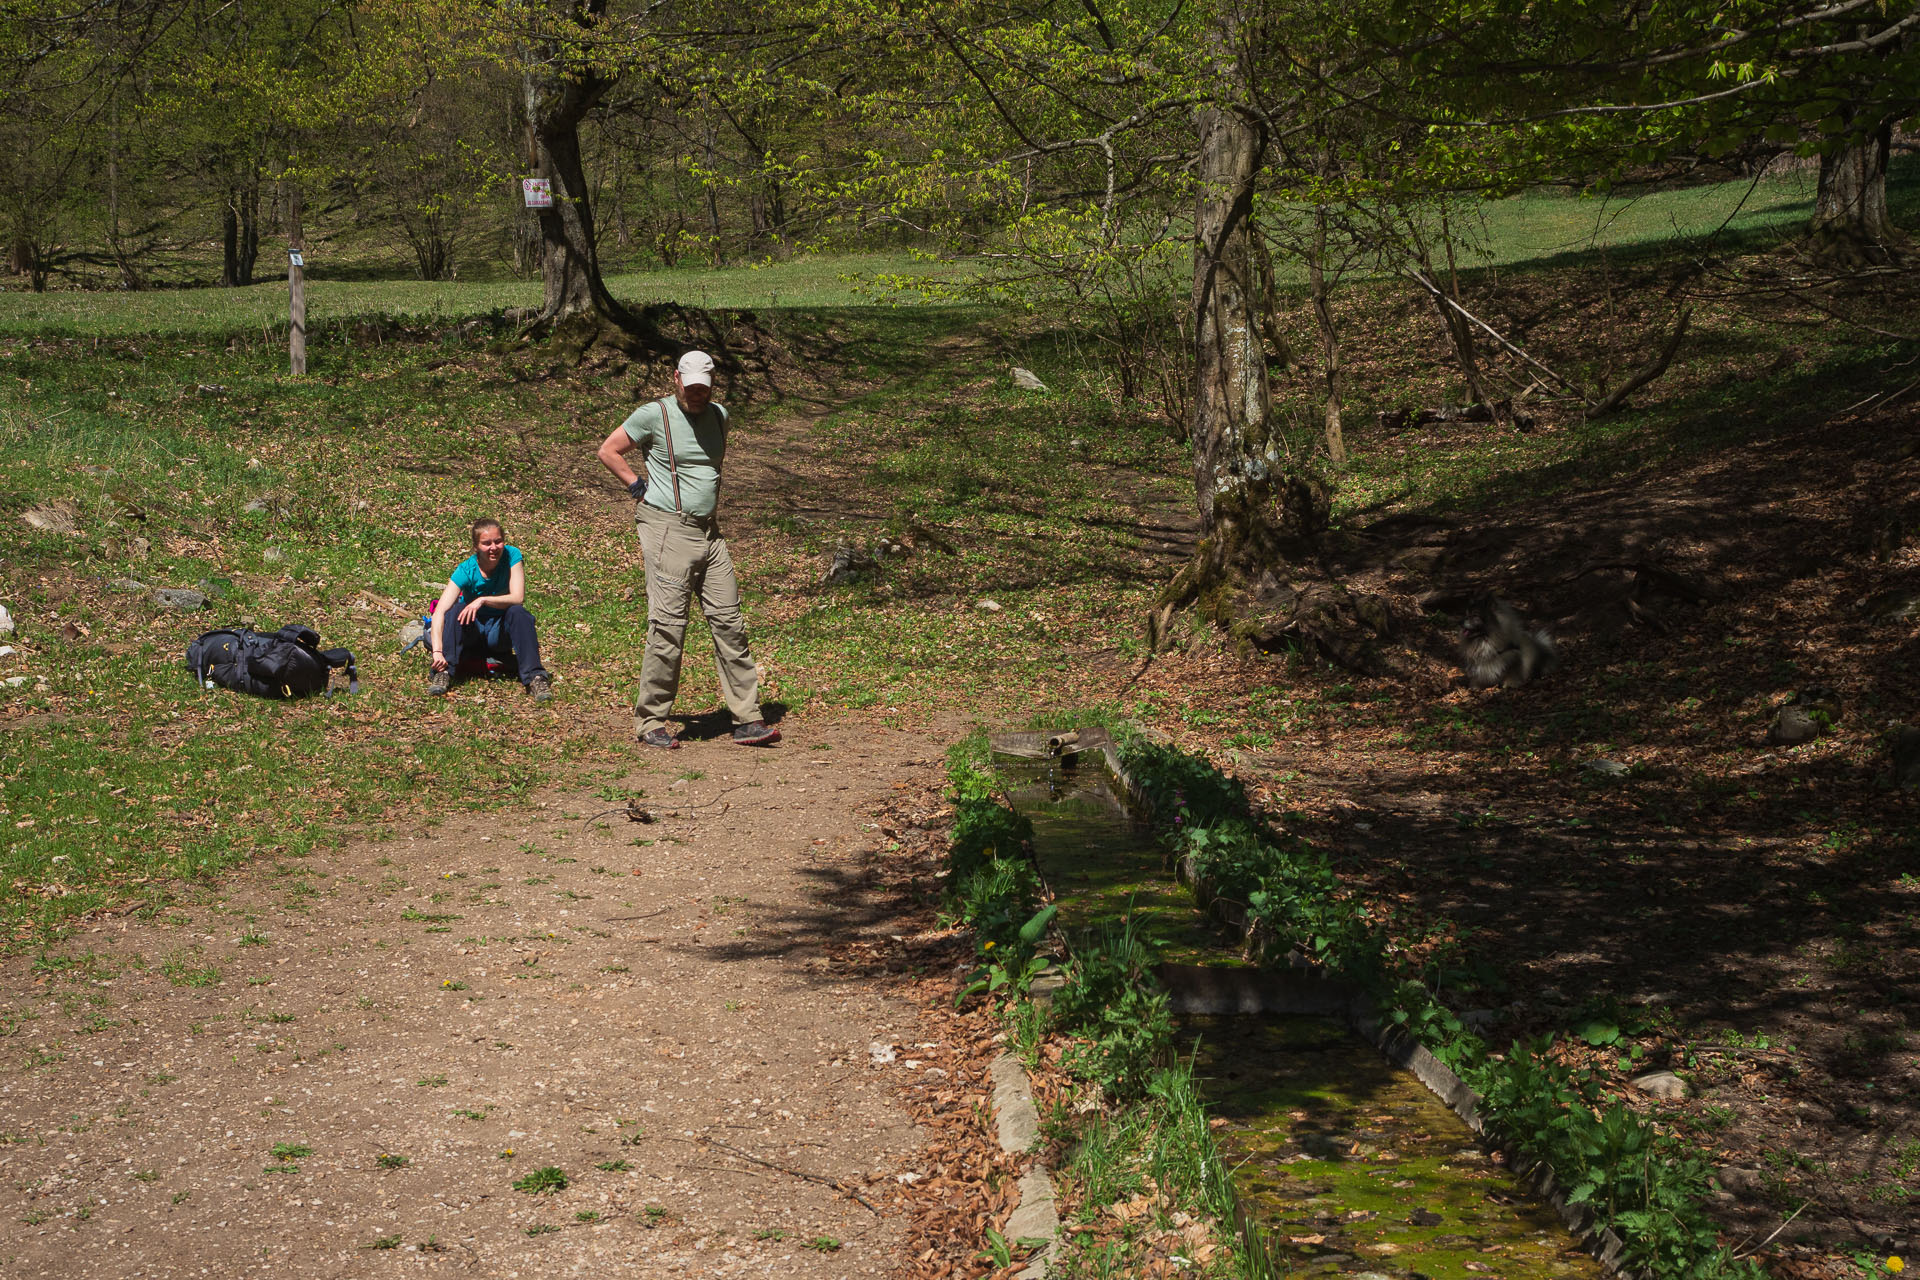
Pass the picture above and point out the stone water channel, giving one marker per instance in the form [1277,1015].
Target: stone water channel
[1344,1163]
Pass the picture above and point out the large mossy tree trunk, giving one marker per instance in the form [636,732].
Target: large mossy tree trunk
[1850,221]
[560,86]
[1232,408]
[1256,574]
[1254,520]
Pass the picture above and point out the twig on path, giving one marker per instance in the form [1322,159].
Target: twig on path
[833,1183]
[1741,1051]
[621,919]
[387,602]
[1736,1254]
[636,812]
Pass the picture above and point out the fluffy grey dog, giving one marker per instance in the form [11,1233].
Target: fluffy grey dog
[1496,648]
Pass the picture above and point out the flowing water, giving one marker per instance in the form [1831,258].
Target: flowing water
[1343,1163]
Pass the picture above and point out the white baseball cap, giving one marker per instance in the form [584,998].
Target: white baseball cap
[696,369]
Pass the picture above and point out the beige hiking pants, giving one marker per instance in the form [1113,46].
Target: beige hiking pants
[684,555]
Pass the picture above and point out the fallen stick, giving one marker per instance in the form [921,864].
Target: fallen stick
[804,1176]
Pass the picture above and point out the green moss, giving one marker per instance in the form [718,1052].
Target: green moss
[1338,1155]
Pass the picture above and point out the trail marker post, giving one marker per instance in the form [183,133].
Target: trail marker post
[296,288]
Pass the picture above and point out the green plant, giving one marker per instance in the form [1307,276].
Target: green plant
[182,972]
[587,1215]
[385,1242]
[1012,970]
[544,1181]
[613,1166]
[544,1228]
[431,1082]
[823,1244]
[389,1160]
[1115,1006]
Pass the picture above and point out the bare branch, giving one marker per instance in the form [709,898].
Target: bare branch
[1645,373]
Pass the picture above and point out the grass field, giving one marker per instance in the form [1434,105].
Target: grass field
[1539,228]
[261,309]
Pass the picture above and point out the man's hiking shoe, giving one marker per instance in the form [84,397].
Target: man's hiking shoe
[439,682]
[659,738]
[541,687]
[757,734]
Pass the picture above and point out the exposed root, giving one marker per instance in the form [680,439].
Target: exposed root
[1257,580]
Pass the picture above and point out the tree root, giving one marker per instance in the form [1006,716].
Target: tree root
[1258,581]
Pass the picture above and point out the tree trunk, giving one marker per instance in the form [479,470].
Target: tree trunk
[1232,408]
[713,193]
[1329,339]
[559,91]
[230,240]
[249,227]
[1256,521]
[1850,219]
[1256,574]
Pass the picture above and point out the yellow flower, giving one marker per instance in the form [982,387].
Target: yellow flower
[988,947]
[1895,1265]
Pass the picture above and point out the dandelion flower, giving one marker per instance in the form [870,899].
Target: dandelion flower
[1896,1264]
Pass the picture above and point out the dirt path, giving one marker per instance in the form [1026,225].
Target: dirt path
[581,995]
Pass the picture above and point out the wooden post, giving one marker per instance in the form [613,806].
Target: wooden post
[296,287]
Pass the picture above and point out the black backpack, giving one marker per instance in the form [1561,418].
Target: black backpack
[289,663]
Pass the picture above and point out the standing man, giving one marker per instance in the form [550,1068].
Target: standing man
[683,439]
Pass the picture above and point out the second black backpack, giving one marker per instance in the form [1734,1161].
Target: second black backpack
[288,663]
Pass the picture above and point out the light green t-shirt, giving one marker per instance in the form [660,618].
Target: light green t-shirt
[699,446]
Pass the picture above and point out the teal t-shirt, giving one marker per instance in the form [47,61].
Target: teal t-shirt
[699,446]
[473,584]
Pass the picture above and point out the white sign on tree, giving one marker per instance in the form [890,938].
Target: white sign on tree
[538,192]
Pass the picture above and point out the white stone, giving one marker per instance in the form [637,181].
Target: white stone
[991,606]
[1664,1085]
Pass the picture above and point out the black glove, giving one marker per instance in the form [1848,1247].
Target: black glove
[638,488]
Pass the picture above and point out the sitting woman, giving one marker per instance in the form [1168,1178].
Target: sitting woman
[484,597]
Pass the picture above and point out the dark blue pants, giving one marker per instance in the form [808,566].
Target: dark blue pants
[503,633]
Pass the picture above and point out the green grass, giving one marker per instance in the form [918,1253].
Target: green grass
[544,1181]
[260,310]
[121,777]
